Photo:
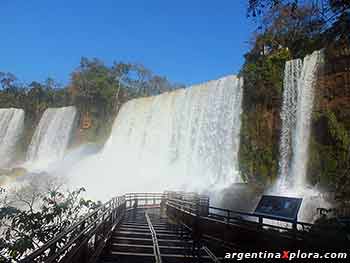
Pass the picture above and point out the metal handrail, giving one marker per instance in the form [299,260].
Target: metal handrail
[74,243]
[229,212]
[156,250]
[63,234]
[230,216]
[211,254]
[84,240]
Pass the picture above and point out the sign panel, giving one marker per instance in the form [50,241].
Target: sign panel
[279,206]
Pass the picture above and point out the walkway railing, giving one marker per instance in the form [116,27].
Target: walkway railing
[84,241]
[199,205]
[238,229]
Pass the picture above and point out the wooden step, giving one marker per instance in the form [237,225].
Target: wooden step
[142,227]
[129,234]
[132,254]
[128,257]
[144,230]
[133,229]
[133,240]
[134,248]
[144,224]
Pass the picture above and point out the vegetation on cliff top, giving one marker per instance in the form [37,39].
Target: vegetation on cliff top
[97,90]
[290,30]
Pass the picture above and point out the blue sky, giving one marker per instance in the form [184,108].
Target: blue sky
[187,41]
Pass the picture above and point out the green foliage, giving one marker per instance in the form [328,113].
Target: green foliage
[99,90]
[258,153]
[329,162]
[43,213]
[262,96]
[94,88]
[331,11]
[338,132]
[263,78]
[288,30]
[93,85]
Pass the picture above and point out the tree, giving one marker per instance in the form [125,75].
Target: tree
[96,89]
[334,13]
[328,9]
[7,81]
[93,86]
[35,213]
[297,29]
[340,30]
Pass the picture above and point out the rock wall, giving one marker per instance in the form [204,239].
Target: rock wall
[329,150]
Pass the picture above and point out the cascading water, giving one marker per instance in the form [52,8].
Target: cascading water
[298,97]
[51,137]
[306,87]
[292,74]
[187,138]
[11,128]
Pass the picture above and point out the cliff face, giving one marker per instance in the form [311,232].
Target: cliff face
[261,124]
[329,163]
[329,152]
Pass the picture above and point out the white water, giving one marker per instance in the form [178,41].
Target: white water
[298,99]
[306,94]
[185,139]
[292,74]
[51,137]
[11,128]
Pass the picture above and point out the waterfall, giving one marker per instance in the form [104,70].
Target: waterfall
[185,139]
[298,98]
[292,74]
[11,128]
[306,86]
[51,137]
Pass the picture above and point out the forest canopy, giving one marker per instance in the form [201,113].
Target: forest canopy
[92,83]
[94,88]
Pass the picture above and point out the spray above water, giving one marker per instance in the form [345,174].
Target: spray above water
[51,137]
[185,139]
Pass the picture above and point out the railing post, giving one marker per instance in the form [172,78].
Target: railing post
[84,251]
[261,221]
[204,206]
[196,225]
[295,229]
[163,202]
[198,205]
[52,250]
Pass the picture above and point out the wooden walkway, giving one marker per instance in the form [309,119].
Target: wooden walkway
[133,241]
[178,227]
